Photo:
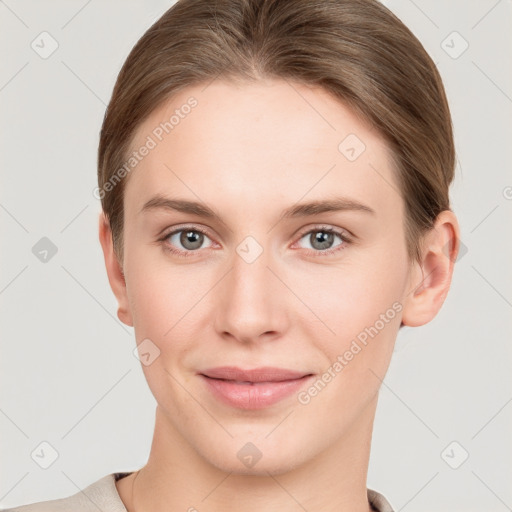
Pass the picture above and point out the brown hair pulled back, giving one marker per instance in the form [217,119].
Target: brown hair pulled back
[357,50]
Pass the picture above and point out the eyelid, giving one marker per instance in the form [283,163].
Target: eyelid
[166,233]
[346,236]
[344,233]
[183,227]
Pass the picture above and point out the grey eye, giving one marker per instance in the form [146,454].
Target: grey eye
[321,239]
[189,239]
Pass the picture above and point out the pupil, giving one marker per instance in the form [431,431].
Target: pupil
[191,239]
[323,238]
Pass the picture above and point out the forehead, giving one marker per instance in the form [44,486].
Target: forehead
[272,138]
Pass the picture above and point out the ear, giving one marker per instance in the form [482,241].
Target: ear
[114,271]
[431,277]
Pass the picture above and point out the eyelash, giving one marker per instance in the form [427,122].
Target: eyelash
[327,229]
[171,249]
[324,229]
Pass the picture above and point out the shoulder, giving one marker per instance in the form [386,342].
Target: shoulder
[100,495]
[378,502]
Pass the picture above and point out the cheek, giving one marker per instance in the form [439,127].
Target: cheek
[165,308]
[168,303]
[361,306]
[364,311]
[161,292]
[356,296]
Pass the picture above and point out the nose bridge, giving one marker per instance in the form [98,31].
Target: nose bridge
[250,303]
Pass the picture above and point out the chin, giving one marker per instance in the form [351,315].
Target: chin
[255,455]
[275,466]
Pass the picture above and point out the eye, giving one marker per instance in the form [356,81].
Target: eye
[322,238]
[187,240]
[184,241]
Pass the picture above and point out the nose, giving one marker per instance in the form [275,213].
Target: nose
[251,302]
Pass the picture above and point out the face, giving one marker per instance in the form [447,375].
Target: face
[262,281]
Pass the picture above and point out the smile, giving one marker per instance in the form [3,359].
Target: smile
[253,389]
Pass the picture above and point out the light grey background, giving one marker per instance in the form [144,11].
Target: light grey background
[68,373]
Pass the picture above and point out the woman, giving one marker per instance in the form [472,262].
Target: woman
[274,181]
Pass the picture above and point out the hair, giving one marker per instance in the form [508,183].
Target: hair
[357,50]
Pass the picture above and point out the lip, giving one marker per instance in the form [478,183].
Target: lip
[253,388]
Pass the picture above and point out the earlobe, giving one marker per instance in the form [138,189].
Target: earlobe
[431,277]
[114,270]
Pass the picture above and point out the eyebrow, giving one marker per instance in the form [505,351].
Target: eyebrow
[159,202]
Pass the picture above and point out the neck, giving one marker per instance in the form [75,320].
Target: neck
[177,477]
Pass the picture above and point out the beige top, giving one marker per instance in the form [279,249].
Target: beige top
[102,495]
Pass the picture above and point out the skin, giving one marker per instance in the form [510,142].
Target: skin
[249,151]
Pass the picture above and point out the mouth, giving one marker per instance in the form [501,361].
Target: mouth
[253,388]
